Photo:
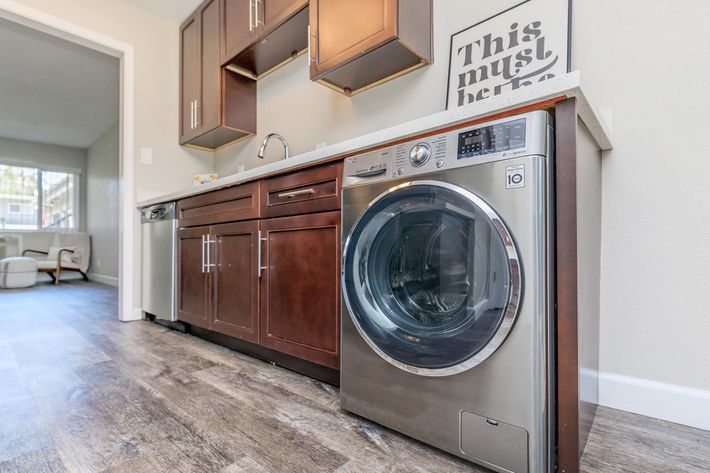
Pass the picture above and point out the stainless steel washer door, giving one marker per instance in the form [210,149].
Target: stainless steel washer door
[431,278]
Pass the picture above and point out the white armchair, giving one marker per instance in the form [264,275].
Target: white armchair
[68,252]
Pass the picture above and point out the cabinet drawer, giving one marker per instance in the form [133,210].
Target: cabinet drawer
[226,205]
[302,192]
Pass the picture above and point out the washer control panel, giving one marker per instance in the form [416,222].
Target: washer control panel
[419,154]
[493,141]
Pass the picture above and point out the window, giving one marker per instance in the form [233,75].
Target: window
[58,200]
[35,199]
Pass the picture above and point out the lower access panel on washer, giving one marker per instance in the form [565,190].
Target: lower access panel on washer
[502,446]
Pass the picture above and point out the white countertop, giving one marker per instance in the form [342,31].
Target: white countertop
[568,86]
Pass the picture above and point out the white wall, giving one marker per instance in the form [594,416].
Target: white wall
[646,63]
[40,154]
[102,204]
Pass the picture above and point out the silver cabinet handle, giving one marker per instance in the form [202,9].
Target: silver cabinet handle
[192,115]
[203,254]
[292,194]
[252,4]
[259,20]
[209,263]
[258,256]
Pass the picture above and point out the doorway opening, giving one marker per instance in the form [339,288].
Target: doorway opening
[67,153]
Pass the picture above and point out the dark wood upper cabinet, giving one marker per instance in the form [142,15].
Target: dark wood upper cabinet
[356,44]
[190,86]
[235,307]
[218,106]
[193,294]
[276,12]
[260,35]
[300,293]
[208,109]
[238,27]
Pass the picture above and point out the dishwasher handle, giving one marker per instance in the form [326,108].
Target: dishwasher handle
[158,213]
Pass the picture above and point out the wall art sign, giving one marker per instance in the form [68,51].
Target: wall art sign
[525,44]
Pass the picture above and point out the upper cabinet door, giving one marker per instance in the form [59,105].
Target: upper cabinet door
[274,12]
[240,26]
[208,106]
[190,67]
[358,44]
[344,29]
[218,106]
[235,310]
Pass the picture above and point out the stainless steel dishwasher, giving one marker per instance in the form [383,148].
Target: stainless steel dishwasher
[159,228]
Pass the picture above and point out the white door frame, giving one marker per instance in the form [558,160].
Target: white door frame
[128,303]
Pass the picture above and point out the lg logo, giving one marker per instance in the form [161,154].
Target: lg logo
[515,176]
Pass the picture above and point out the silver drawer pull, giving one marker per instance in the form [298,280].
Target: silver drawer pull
[259,267]
[297,193]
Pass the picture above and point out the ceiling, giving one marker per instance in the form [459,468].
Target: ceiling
[54,91]
[176,10]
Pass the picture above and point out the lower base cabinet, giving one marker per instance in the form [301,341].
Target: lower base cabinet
[272,282]
[193,295]
[218,281]
[300,296]
[235,285]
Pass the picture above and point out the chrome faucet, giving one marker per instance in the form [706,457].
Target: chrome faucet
[266,141]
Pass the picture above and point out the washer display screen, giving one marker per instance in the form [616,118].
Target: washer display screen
[492,139]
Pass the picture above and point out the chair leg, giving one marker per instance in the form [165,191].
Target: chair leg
[51,275]
[83,275]
[56,281]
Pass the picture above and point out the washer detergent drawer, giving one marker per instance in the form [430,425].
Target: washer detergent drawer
[500,446]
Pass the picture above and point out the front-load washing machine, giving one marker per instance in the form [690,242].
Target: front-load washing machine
[447,329]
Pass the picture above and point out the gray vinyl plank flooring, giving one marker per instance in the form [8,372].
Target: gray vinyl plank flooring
[82,392]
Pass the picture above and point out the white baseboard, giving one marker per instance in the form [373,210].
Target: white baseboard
[687,406]
[110,280]
[131,315]
[137,314]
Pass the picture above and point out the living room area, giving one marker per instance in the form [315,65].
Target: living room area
[59,162]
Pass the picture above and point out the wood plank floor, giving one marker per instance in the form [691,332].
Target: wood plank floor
[82,392]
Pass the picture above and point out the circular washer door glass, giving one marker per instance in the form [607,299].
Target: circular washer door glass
[431,278]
